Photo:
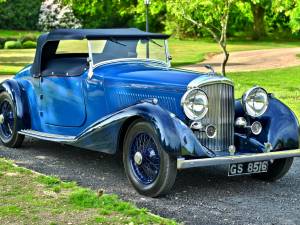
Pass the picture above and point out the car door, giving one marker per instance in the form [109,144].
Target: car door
[62,101]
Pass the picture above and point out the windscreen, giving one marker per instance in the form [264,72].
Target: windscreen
[104,50]
[72,47]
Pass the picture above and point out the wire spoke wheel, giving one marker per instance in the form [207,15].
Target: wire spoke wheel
[7,125]
[149,168]
[144,158]
[8,122]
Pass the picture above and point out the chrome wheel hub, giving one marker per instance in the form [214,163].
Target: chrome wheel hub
[138,158]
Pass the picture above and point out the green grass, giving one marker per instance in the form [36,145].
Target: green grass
[11,61]
[16,33]
[284,83]
[30,198]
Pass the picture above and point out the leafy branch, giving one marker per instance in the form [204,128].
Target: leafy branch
[210,16]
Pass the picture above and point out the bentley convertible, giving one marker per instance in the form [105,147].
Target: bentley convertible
[114,91]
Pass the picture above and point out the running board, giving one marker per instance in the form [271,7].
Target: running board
[183,163]
[48,136]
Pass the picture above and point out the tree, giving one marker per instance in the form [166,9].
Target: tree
[118,13]
[258,8]
[54,14]
[102,13]
[157,15]
[19,14]
[208,15]
[295,17]
[277,11]
[291,9]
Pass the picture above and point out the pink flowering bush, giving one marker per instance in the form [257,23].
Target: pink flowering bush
[53,15]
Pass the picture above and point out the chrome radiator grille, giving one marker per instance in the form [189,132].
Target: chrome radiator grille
[221,115]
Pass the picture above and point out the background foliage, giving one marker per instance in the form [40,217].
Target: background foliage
[53,14]
[248,18]
[19,14]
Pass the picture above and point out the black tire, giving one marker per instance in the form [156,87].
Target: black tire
[166,176]
[14,139]
[277,170]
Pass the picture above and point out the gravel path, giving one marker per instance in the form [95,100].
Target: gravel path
[253,60]
[200,196]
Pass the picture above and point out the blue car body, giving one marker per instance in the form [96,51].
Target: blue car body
[92,113]
[95,112]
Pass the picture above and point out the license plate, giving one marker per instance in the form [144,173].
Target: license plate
[248,168]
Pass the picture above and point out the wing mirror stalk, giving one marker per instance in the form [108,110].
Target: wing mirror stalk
[90,60]
[90,72]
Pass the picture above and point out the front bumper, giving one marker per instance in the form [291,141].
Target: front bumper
[182,163]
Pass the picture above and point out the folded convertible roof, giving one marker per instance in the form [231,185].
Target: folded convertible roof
[47,43]
[98,34]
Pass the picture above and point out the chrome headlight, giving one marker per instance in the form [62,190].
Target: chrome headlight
[255,101]
[195,104]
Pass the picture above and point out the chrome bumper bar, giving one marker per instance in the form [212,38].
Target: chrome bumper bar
[182,163]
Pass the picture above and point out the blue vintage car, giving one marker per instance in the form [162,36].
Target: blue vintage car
[115,91]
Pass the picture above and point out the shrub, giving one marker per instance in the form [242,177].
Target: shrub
[2,42]
[28,37]
[29,44]
[12,45]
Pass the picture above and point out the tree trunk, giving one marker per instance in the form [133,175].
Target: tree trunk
[225,59]
[258,12]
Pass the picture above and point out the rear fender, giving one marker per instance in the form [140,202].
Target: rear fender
[19,99]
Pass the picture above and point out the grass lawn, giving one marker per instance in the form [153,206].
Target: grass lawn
[16,33]
[13,60]
[284,83]
[30,198]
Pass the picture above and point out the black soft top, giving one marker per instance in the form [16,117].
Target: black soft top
[98,34]
[48,43]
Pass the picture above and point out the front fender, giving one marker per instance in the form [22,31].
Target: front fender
[280,128]
[19,99]
[175,137]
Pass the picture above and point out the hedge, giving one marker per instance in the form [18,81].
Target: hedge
[29,44]
[13,45]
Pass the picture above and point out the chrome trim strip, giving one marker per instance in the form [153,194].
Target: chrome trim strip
[209,80]
[130,60]
[47,136]
[184,164]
